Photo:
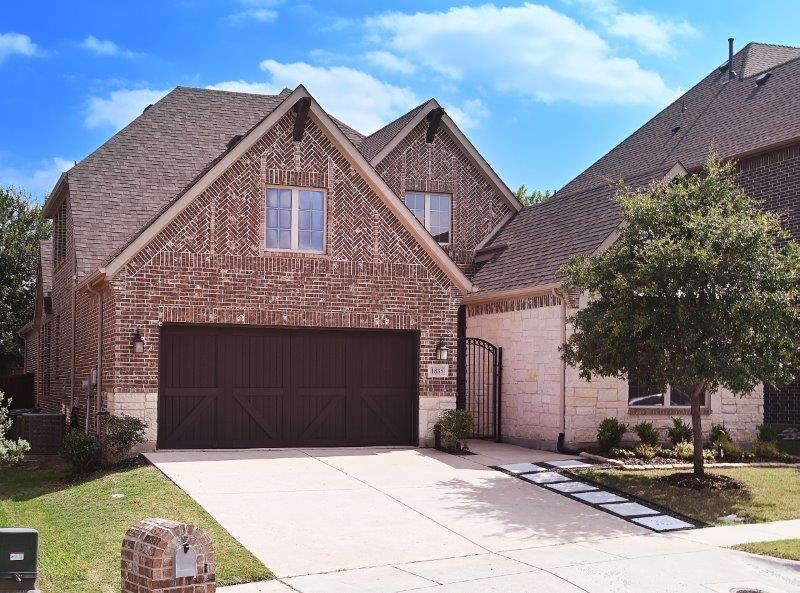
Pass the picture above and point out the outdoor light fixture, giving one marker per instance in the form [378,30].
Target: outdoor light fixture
[138,342]
[441,350]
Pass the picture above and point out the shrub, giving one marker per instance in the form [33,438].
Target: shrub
[610,433]
[680,432]
[768,434]
[456,426]
[684,450]
[645,451]
[647,433]
[81,450]
[718,434]
[122,433]
[619,453]
[11,452]
[766,450]
[731,452]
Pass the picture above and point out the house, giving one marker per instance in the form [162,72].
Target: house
[247,271]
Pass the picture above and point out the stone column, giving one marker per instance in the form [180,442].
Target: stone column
[155,551]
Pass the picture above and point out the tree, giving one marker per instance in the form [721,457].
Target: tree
[21,228]
[535,196]
[701,288]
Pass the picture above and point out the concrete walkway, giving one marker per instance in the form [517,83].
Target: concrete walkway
[391,520]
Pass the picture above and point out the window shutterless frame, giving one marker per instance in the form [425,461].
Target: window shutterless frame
[429,208]
[277,222]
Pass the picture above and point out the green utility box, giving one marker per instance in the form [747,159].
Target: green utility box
[19,549]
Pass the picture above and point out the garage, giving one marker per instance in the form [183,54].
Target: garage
[233,387]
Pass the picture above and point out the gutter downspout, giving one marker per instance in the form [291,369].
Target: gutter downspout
[562,404]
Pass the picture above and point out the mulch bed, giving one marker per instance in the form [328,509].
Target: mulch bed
[709,482]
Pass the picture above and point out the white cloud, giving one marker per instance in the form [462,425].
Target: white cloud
[106,47]
[120,107]
[242,86]
[16,43]
[261,11]
[38,182]
[388,61]
[530,50]
[353,96]
[651,34]
[469,115]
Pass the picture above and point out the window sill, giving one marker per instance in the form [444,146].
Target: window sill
[665,410]
[294,253]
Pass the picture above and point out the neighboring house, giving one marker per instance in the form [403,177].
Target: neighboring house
[244,270]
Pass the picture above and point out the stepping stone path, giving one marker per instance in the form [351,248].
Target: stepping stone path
[547,476]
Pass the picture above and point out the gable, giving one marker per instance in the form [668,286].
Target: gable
[226,217]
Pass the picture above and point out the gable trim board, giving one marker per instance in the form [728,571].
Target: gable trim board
[341,142]
[473,155]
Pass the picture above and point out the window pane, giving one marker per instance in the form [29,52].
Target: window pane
[285,198]
[279,218]
[312,217]
[681,395]
[440,217]
[316,240]
[644,395]
[272,198]
[285,240]
[416,203]
[304,240]
[284,219]
[310,200]
[272,218]
[272,239]
[305,220]
[316,221]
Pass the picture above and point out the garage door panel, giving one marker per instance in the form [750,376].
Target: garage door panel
[319,415]
[255,418]
[189,417]
[380,408]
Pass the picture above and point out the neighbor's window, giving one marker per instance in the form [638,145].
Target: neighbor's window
[647,395]
[296,219]
[433,211]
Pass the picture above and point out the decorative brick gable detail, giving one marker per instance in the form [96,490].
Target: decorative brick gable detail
[209,266]
[442,166]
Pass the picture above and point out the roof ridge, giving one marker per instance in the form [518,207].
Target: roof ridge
[398,118]
[208,90]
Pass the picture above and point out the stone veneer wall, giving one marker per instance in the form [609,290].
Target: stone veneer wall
[529,332]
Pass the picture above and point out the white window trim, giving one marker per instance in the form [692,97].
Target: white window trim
[426,223]
[295,230]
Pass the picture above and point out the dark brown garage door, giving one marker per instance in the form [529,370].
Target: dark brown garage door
[226,387]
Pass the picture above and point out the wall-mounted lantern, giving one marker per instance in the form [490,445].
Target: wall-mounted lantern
[441,350]
[138,342]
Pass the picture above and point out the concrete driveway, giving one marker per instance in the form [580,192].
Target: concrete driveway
[390,520]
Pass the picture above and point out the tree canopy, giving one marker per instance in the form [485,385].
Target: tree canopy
[701,288]
[21,228]
[534,196]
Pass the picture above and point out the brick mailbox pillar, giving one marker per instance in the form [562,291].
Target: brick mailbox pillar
[160,556]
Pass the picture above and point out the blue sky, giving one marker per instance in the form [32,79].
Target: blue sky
[542,88]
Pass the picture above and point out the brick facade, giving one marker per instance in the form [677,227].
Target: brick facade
[442,166]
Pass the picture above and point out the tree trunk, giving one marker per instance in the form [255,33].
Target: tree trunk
[697,427]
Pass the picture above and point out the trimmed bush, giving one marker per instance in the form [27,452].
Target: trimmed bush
[647,433]
[679,432]
[731,452]
[82,451]
[684,450]
[619,453]
[766,450]
[645,451]
[121,435]
[768,434]
[11,452]
[610,433]
[456,427]
[718,434]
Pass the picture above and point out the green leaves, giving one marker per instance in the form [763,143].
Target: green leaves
[701,284]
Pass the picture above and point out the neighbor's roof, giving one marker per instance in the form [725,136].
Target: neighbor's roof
[733,118]
[117,189]
[375,142]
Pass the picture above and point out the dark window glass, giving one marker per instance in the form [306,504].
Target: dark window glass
[644,395]
[681,395]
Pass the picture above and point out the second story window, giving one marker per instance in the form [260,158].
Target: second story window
[433,211]
[295,219]
[60,234]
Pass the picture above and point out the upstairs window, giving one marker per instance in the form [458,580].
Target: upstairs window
[433,211]
[295,220]
[60,235]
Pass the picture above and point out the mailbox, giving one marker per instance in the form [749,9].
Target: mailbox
[18,555]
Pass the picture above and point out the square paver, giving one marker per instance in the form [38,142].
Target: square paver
[662,523]
[599,497]
[629,509]
[571,487]
[545,478]
[568,464]
[522,468]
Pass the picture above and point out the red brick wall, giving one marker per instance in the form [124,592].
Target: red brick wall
[209,266]
[775,178]
[442,166]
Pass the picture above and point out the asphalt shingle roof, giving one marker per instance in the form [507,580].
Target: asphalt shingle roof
[733,118]
[375,142]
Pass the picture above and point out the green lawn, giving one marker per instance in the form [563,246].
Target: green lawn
[81,526]
[782,548]
[772,494]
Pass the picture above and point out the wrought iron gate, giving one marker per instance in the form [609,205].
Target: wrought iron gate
[480,368]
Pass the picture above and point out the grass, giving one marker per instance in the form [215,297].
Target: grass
[782,548]
[81,526]
[771,494]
